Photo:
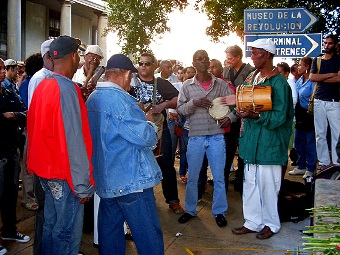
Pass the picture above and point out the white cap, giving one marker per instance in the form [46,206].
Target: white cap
[266,44]
[10,62]
[45,47]
[95,49]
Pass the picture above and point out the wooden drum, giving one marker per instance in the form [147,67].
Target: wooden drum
[254,98]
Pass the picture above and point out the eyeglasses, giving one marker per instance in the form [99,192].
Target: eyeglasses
[141,63]
[202,59]
[91,58]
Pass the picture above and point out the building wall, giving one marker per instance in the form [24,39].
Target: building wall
[82,29]
[36,26]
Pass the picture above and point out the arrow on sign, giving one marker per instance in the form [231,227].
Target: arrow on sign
[312,17]
[293,20]
[314,45]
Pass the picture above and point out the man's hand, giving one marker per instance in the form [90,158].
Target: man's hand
[84,200]
[224,123]
[10,115]
[202,102]
[157,108]
[245,113]
[228,100]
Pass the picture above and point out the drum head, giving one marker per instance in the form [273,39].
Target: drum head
[218,111]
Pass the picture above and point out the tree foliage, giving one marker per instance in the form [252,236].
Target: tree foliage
[138,22]
[226,16]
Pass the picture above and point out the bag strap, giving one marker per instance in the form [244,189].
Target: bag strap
[234,77]
[154,91]
[318,65]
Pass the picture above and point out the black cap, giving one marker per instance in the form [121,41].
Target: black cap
[64,45]
[122,62]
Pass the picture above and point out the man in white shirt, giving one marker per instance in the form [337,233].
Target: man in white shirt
[166,71]
[92,57]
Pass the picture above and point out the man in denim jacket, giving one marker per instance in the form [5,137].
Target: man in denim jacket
[125,169]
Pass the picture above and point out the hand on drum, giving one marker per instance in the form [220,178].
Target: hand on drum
[229,100]
[246,113]
[202,102]
[224,123]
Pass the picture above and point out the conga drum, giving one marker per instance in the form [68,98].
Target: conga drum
[218,110]
[255,98]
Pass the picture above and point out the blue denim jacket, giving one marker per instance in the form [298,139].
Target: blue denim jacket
[123,161]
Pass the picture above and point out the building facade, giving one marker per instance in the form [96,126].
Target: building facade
[25,24]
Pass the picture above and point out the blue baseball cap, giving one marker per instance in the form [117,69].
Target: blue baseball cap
[64,45]
[122,62]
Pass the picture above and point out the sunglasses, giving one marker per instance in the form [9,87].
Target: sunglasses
[141,63]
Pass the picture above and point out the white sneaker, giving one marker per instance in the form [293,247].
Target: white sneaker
[307,174]
[2,250]
[297,171]
[20,238]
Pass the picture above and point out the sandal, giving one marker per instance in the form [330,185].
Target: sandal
[31,207]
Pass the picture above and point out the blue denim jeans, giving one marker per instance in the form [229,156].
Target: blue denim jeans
[305,146]
[215,149]
[140,212]
[174,137]
[63,219]
[183,162]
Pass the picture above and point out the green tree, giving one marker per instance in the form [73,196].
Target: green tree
[226,16]
[138,22]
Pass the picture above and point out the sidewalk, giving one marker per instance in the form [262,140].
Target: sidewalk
[199,236]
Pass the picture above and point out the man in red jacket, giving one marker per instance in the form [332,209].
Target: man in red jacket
[60,149]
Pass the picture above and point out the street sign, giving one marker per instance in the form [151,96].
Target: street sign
[293,20]
[290,45]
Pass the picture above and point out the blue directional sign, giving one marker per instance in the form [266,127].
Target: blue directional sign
[293,20]
[290,45]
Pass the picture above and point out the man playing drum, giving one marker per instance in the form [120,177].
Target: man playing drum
[263,145]
[194,101]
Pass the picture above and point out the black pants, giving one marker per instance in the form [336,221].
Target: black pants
[39,217]
[166,163]
[9,172]
[231,139]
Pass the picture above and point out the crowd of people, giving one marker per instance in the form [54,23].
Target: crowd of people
[117,138]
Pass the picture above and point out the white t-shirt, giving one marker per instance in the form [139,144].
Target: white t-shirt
[34,82]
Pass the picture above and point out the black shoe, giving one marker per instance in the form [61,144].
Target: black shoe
[185,218]
[95,245]
[221,221]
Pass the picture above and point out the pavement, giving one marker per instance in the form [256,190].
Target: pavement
[200,236]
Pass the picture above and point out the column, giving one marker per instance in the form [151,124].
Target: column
[66,17]
[14,30]
[101,39]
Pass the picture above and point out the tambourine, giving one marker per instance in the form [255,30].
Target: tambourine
[218,110]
